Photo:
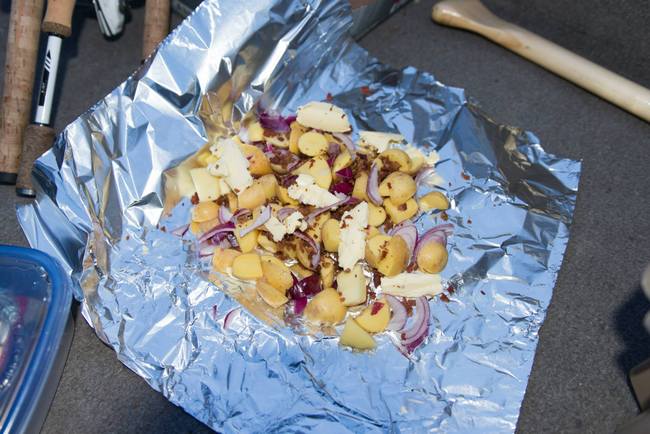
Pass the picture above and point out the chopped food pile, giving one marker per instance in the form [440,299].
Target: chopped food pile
[323,226]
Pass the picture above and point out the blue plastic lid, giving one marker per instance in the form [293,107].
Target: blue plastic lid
[35,299]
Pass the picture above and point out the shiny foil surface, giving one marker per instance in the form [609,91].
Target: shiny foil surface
[216,352]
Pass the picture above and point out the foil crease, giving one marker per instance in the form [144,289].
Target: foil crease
[101,196]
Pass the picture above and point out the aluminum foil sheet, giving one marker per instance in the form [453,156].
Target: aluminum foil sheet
[99,210]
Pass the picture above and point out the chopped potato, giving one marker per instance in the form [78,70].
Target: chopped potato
[223,258]
[399,213]
[331,235]
[313,144]
[434,200]
[252,197]
[432,257]
[269,294]
[205,211]
[247,266]
[276,273]
[375,317]
[356,337]
[326,308]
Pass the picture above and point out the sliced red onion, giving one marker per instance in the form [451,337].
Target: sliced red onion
[265,215]
[299,305]
[311,216]
[222,228]
[437,234]
[347,141]
[345,173]
[232,239]
[285,212]
[307,287]
[420,327]
[287,180]
[372,189]
[423,174]
[408,232]
[315,260]
[207,250]
[180,231]
[241,213]
[333,151]
[230,316]
[224,214]
[283,157]
[275,122]
[398,320]
[297,162]
[343,187]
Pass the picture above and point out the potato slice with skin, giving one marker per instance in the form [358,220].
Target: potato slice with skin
[297,130]
[371,231]
[301,271]
[276,273]
[208,224]
[433,200]
[266,243]
[223,259]
[323,116]
[280,140]
[343,160]
[313,144]
[399,186]
[399,213]
[255,132]
[269,294]
[389,255]
[376,215]
[360,185]
[331,235]
[206,185]
[356,337]
[247,266]
[315,229]
[269,183]
[352,286]
[327,271]
[252,197]
[284,197]
[375,317]
[325,308]
[248,242]
[205,211]
[396,157]
[318,169]
[258,163]
[432,257]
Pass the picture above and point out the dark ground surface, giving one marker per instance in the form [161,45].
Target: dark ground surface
[592,335]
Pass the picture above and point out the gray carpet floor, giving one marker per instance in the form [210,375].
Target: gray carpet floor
[592,335]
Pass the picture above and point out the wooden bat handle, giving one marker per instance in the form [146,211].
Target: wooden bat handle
[58,18]
[472,15]
[20,68]
[156,24]
[38,139]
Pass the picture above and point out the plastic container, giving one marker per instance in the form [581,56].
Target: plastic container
[35,334]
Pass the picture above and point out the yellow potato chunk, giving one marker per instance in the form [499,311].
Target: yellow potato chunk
[301,271]
[255,132]
[356,337]
[312,144]
[266,243]
[317,168]
[331,235]
[376,215]
[325,308]
[248,242]
[270,184]
[360,185]
[269,294]
[315,229]
[432,257]
[297,130]
[352,286]
[371,231]
[327,271]
[434,200]
[399,186]
[375,317]
[399,213]
[206,185]
[396,157]
[258,163]
[284,197]
[247,266]
[252,197]
[389,255]
[205,211]
[223,258]
[343,160]
[276,273]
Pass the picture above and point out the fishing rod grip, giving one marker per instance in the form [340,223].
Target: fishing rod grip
[37,140]
[58,18]
[156,24]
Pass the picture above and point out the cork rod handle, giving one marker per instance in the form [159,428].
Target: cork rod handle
[58,18]
[20,69]
[156,24]
[473,16]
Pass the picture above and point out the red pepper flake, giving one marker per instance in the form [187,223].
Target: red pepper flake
[451,289]
[409,305]
[376,307]
[482,292]
[214,312]
[365,90]
[411,267]
[371,294]
[444,298]
[195,199]
[163,228]
[444,216]
[128,237]
[329,97]
[469,221]
[465,176]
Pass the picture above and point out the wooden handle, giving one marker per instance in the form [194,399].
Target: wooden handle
[20,68]
[58,17]
[156,24]
[472,15]
[38,139]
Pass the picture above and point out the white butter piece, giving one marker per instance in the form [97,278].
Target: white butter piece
[352,245]
[305,190]
[295,221]
[379,141]
[206,185]
[323,116]
[231,164]
[276,228]
[414,284]
[279,229]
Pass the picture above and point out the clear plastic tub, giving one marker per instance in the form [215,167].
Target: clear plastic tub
[35,335]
